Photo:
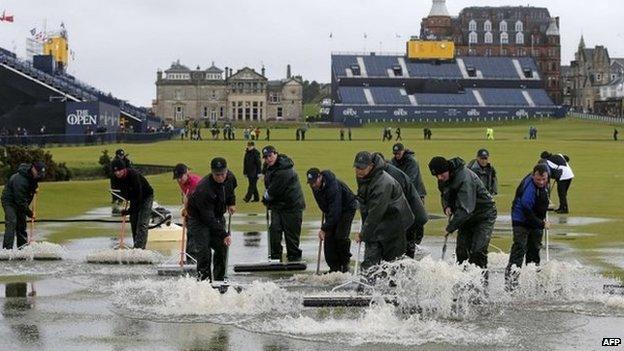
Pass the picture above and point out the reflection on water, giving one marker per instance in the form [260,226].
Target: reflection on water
[17,304]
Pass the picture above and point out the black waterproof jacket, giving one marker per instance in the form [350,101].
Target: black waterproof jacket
[282,186]
[209,202]
[334,198]
[134,188]
[409,166]
[20,189]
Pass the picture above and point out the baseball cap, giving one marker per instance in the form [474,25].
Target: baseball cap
[179,170]
[363,159]
[483,153]
[218,164]
[312,174]
[398,147]
[267,150]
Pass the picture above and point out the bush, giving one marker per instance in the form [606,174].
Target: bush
[12,156]
[105,162]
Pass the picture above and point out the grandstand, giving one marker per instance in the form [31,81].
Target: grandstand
[34,93]
[372,87]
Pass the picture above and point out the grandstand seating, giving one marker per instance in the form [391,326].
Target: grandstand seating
[71,86]
[352,95]
[389,96]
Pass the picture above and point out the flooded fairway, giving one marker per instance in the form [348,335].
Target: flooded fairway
[73,305]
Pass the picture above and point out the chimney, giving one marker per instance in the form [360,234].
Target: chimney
[159,75]
[230,76]
[226,73]
[288,71]
[263,71]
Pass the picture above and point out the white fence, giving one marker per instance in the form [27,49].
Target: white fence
[597,118]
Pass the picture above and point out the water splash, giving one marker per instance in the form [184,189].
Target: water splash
[126,256]
[381,324]
[35,250]
[328,279]
[186,298]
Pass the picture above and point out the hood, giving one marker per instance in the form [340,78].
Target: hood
[457,164]
[328,176]
[283,162]
[24,169]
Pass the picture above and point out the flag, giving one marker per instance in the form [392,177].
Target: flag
[62,25]
[33,31]
[365,36]
[397,35]
[6,18]
[331,35]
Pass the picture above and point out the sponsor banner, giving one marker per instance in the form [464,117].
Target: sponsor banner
[363,114]
[89,118]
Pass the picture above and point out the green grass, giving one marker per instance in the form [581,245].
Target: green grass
[595,158]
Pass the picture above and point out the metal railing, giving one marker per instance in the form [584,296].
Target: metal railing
[85,139]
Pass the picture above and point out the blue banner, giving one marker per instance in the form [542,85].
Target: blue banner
[358,114]
[91,119]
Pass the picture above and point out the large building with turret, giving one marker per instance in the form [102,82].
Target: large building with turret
[515,31]
[216,94]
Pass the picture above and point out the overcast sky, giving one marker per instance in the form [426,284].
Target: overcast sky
[119,45]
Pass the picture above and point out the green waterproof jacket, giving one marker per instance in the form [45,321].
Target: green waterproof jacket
[409,191]
[20,189]
[465,194]
[283,190]
[409,166]
[386,214]
[487,175]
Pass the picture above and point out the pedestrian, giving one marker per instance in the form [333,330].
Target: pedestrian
[413,234]
[187,181]
[398,134]
[206,207]
[303,132]
[252,166]
[561,172]
[349,133]
[528,218]
[386,214]
[615,134]
[284,199]
[133,187]
[469,206]
[342,134]
[298,134]
[425,133]
[338,204]
[268,133]
[385,134]
[482,167]
[17,195]
[404,159]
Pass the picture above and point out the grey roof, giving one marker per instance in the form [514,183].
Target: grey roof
[619,61]
[214,69]
[177,67]
[566,70]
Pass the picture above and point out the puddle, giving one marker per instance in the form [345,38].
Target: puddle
[562,219]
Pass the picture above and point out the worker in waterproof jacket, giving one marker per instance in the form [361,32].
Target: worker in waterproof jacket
[338,204]
[17,195]
[206,207]
[132,186]
[404,160]
[414,234]
[482,167]
[386,214]
[284,199]
[528,217]
[469,205]
[252,166]
[188,182]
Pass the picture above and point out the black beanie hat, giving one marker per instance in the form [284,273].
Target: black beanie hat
[117,164]
[438,165]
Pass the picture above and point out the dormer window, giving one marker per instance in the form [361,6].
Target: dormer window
[398,71]
[503,26]
[487,26]
[355,69]
[473,38]
[520,38]
[472,26]
[519,26]
[528,73]
[504,38]
[489,38]
[472,72]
